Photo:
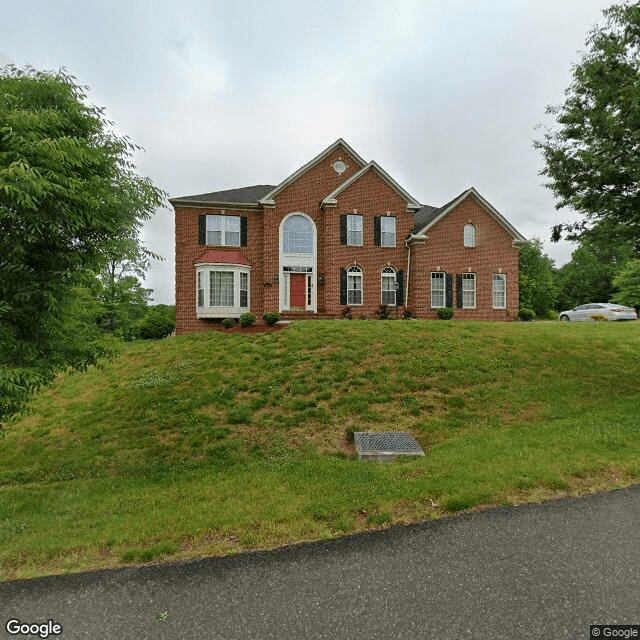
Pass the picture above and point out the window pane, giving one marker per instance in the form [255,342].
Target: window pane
[221,289]
[388,231]
[354,286]
[437,290]
[297,235]
[244,289]
[214,237]
[469,235]
[200,289]
[388,286]
[499,289]
[468,290]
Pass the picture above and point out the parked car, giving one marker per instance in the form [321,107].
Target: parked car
[586,312]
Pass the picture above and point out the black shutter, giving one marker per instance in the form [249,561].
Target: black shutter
[448,300]
[243,231]
[343,286]
[343,229]
[400,288]
[376,231]
[459,290]
[202,229]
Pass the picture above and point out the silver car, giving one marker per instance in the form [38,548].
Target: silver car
[586,312]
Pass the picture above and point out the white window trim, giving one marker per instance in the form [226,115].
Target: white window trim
[382,232]
[356,274]
[468,278]
[444,289]
[234,311]
[223,237]
[350,217]
[387,276]
[472,237]
[503,278]
[297,260]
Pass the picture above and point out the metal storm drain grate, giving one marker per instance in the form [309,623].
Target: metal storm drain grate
[386,445]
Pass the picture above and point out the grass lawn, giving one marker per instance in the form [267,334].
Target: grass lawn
[212,444]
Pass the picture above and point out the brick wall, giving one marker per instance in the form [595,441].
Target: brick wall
[445,251]
[370,196]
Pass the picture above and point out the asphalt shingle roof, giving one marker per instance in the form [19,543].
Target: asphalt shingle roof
[244,195]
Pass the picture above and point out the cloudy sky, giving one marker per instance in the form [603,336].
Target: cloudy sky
[443,94]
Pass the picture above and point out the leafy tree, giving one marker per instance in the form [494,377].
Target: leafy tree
[118,288]
[628,283]
[593,160]
[589,275]
[536,278]
[68,189]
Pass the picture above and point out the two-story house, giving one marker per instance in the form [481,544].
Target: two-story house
[340,232]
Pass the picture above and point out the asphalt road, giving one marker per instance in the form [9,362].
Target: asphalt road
[533,571]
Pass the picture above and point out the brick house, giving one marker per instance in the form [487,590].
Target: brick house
[340,232]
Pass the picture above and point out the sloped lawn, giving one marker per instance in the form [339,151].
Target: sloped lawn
[212,444]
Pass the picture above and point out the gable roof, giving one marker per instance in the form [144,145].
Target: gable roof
[268,198]
[330,200]
[244,195]
[428,216]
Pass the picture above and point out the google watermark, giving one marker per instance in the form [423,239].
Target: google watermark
[40,629]
[598,631]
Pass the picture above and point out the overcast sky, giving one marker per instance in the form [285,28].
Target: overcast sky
[443,94]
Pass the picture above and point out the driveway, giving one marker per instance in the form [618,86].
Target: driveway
[533,571]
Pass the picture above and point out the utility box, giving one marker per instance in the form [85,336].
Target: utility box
[385,446]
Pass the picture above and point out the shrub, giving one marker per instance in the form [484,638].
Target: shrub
[526,315]
[227,323]
[383,311]
[247,319]
[152,326]
[346,313]
[363,316]
[551,315]
[445,313]
[598,317]
[408,312]
[271,317]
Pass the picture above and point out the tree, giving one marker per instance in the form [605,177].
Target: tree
[118,288]
[593,160]
[628,283]
[589,275]
[537,285]
[68,191]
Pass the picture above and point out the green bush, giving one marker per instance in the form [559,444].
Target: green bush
[153,326]
[445,313]
[526,315]
[227,323]
[247,319]
[271,318]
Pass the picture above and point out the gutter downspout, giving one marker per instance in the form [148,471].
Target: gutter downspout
[406,297]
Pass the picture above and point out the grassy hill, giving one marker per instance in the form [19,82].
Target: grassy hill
[212,444]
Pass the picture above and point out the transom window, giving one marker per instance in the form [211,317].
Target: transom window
[388,286]
[388,231]
[499,290]
[354,230]
[297,235]
[223,231]
[469,235]
[354,285]
[468,290]
[438,290]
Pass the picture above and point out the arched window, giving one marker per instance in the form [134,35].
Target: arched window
[297,235]
[469,235]
[388,286]
[354,285]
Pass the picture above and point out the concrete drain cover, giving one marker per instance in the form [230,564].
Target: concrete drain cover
[385,445]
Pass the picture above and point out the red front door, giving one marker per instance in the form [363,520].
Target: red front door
[298,291]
